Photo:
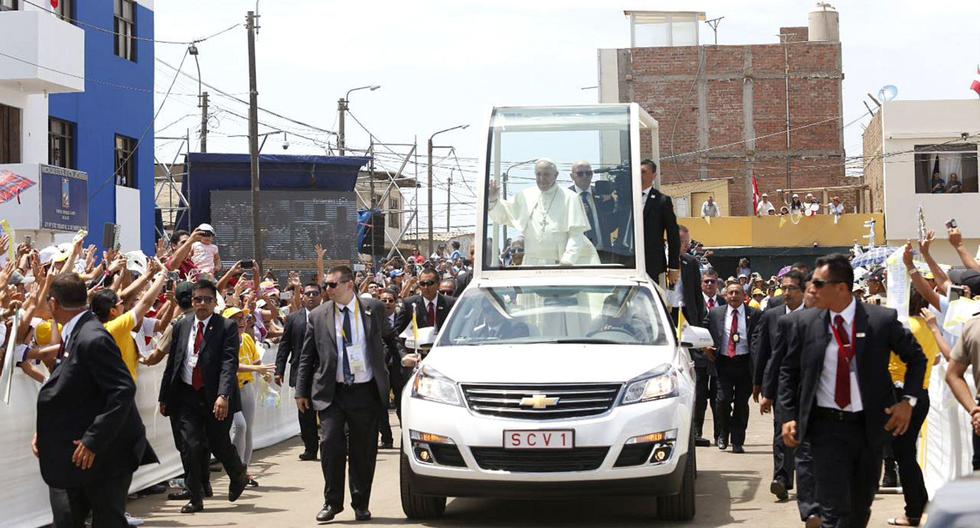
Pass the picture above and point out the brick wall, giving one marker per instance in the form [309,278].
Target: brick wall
[723,114]
[874,166]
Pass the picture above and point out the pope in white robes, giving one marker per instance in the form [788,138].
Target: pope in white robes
[551,218]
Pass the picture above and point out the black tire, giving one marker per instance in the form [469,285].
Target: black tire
[681,507]
[417,506]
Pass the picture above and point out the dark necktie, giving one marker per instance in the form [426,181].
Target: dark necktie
[431,316]
[842,390]
[711,303]
[732,334]
[591,234]
[346,342]
[197,378]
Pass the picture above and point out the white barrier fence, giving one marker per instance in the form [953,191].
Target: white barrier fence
[24,496]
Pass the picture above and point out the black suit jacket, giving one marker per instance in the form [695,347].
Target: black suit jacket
[417,303]
[694,309]
[659,224]
[879,333]
[317,377]
[775,301]
[604,211]
[291,344]
[765,342]
[90,397]
[716,325]
[218,360]
[770,376]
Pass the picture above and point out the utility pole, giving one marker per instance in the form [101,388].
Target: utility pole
[449,197]
[204,121]
[253,138]
[374,205]
[432,246]
[341,112]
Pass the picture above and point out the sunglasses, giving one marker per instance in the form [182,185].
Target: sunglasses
[388,301]
[426,284]
[203,299]
[311,293]
[709,281]
[819,284]
[333,285]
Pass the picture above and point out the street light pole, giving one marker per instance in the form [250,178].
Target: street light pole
[342,106]
[431,242]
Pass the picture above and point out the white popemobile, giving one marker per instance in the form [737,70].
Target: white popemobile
[558,372]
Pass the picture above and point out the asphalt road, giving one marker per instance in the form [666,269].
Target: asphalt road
[732,490]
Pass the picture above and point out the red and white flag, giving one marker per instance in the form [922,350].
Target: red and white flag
[975,85]
[54,4]
[755,196]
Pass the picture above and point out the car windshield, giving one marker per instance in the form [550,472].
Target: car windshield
[619,315]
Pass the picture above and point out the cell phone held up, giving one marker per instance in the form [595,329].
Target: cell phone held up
[951,224]
[248,264]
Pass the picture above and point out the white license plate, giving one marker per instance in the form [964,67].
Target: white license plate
[554,439]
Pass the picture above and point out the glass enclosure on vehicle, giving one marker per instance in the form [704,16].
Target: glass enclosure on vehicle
[622,315]
[559,191]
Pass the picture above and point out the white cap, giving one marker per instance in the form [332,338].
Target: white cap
[51,254]
[136,261]
[205,227]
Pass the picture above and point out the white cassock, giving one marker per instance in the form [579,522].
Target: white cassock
[553,223]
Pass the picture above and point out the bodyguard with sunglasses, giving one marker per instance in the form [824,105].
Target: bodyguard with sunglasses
[343,378]
[835,391]
[290,347]
[200,389]
[430,307]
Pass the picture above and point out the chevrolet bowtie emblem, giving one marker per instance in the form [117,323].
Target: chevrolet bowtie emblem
[539,401]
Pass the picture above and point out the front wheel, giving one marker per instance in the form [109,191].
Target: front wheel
[417,506]
[680,507]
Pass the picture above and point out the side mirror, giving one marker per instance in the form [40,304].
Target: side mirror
[426,338]
[696,337]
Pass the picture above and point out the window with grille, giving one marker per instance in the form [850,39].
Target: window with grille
[126,162]
[125,28]
[61,143]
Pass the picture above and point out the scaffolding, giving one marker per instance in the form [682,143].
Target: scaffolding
[174,207]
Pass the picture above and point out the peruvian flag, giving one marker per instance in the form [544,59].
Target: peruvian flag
[54,4]
[975,85]
[755,196]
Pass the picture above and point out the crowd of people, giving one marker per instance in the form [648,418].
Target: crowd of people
[846,381]
[792,205]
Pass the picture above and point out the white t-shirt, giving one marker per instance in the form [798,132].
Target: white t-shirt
[203,256]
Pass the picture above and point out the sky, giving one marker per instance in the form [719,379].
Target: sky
[442,63]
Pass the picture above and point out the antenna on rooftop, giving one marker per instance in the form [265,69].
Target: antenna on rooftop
[714,26]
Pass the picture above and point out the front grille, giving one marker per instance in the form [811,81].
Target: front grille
[539,460]
[447,455]
[634,455]
[573,400]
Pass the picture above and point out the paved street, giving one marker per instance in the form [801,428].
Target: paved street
[732,490]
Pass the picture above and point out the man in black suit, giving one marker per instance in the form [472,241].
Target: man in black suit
[767,339]
[659,223]
[836,391]
[731,327]
[90,438]
[347,389]
[290,347]
[598,208]
[706,375]
[393,359]
[695,313]
[200,388]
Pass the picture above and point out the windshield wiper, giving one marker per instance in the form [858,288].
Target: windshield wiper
[586,340]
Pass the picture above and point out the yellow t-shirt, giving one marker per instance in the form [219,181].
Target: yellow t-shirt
[120,329]
[922,334]
[247,355]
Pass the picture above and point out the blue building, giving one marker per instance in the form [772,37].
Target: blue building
[106,131]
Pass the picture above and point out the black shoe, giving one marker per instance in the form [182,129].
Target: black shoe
[813,521]
[778,489]
[362,515]
[179,495]
[307,456]
[721,443]
[890,480]
[155,489]
[208,492]
[328,513]
[387,445]
[702,442]
[253,483]
[236,487]
[192,507]
[737,449]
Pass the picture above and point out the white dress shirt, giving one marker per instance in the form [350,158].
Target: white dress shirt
[190,358]
[789,311]
[742,347]
[68,327]
[706,298]
[356,351]
[828,377]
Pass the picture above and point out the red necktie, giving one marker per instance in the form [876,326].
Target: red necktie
[842,390]
[197,379]
[711,303]
[732,334]
[432,314]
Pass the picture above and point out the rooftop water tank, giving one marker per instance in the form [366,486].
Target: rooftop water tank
[824,24]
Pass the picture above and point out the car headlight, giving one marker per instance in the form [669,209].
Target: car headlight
[657,384]
[433,386]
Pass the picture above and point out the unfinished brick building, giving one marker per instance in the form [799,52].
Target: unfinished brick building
[731,112]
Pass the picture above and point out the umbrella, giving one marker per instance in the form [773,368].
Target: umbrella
[872,257]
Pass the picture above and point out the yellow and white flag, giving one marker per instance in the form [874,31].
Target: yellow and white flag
[681,323]
[415,328]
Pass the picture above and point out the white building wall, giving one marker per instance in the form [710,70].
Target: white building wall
[906,124]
